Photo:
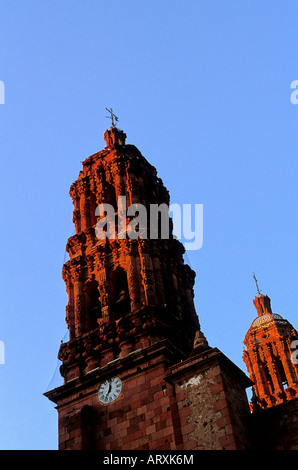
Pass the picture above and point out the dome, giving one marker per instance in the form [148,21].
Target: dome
[268,317]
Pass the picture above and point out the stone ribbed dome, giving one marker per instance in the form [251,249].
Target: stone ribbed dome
[266,318]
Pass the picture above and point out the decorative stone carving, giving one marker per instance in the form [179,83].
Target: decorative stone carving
[159,286]
[268,356]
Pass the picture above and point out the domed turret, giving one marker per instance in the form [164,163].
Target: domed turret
[269,356]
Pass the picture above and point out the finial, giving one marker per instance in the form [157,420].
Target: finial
[254,276]
[200,343]
[261,302]
[112,116]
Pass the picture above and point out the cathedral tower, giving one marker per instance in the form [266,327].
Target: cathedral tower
[126,289]
[269,356]
[136,356]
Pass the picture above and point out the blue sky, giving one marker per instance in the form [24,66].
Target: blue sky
[202,88]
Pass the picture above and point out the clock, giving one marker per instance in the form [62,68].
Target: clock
[109,390]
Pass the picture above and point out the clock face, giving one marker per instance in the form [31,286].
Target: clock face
[109,390]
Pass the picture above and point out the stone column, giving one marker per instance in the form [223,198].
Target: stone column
[84,204]
[133,276]
[147,274]
[79,301]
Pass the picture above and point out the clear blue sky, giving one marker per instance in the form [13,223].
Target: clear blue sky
[202,88]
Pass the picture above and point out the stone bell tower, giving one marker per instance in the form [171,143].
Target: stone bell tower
[125,292]
[135,342]
[269,356]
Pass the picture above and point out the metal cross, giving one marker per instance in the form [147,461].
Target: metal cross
[112,116]
[254,276]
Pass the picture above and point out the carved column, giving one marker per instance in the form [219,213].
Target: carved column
[103,287]
[69,318]
[119,179]
[79,300]
[133,275]
[133,188]
[76,212]
[84,204]
[147,274]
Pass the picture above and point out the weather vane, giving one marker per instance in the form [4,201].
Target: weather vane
[112,116]
[254,276]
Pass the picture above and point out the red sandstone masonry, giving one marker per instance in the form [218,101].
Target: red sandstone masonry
[203,397]
[214,400]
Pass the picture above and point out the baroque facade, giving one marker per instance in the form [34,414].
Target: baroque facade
[138,371]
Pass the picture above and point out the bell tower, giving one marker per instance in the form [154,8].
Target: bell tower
[127,288]
[130,311]
[269,357]
[138,371]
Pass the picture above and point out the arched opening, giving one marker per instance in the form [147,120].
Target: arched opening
[268,379]
[281,372]
[93,306]
[120,293]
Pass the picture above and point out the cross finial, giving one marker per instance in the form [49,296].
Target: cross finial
[256,281]
[112,116]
